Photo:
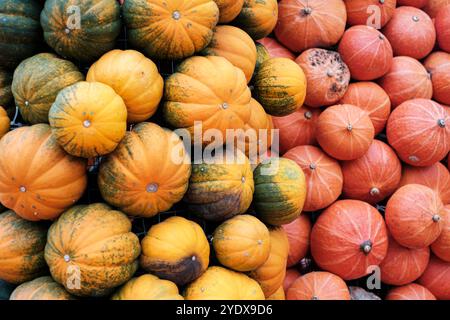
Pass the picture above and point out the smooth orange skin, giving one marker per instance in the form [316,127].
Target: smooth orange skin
[433,7]
[411,291]
[299,234]
[436,278]
[43,288]
[229,9]
[441,247]
[4,122]
[291,275]
[318,286]
[438,65]
[148,287]
[442,24]
[357,13]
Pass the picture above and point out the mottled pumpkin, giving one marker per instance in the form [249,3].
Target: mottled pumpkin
[299,234]
[229,9]
[258,18]
[6,96]
[412,291]
[148,287]
[262,54]
[438,65]
[4,122]
[441,247]
[43,288]
[318,285]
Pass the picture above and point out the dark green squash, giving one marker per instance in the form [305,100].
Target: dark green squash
[5,88]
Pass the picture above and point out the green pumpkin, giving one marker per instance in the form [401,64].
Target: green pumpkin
[5,88]
[37,81]
[261,56]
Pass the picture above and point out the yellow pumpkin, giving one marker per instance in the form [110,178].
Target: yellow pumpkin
[4,122]
[42,288]
[277,295]
[258,17]
[229,9]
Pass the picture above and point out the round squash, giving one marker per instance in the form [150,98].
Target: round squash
[360,12]
[43,288]
[22,243]
[276,49]
[148,287]
[258,18]
[436,278]
[170,29]
[327,76]
[277,295]
[4,122]
[438,65]
[38,180]
[298,233]
[175,249]
[433,7]
[262,54]
[348,237]
[318,286]
[91,250]
[88,119]
[412,291]
[38,80]
[290,277]
[242,243]
[6,96]
[441,247]
[229,9]
[442,24]
[412,3]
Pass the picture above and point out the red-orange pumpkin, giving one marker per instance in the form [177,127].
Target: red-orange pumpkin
[318,286]
[433,7]
[412,3]
[411,291]
[442,24]
[349,237]
[298,233]
[438,65]
[360,12]
[436,278]
[276,49]
[441,247]
[291,275]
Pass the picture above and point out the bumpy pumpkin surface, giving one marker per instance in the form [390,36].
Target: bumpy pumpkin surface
[258,18]
[299,234]
[4,122]
[5,88]
[318,286]
[148,287]
[229,9]
[43,288]
[412,291]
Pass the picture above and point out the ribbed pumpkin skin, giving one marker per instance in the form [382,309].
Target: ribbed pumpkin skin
[291,275]
[441,247]
[5,88]
[424,141]
[258,18]
[37,81]
[140,176]
[242,243]
[438,65]
[175,249]
[359,13]
[442,24]
[280,86]
[411,291]
[280,191]
[299,234]
[23,242]
[43,288]
[218,283]
[38,180]
[348,237]
[148,287]
[229,9]
[304,24]
[99,25]
[318,286]
[4,122]
[433,7]
[436,278]
[277,295]
[98,242]
[276,49]
[88,119]
[133,77]
[170,29]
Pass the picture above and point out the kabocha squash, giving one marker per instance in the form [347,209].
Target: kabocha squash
[290,277]
[170,29]
[280,191]
[438,65]
[4,122]
[258,18]
[280,86]
[81,30]
[38,80]
[218,283]
[22,254]
[38,180]
[442,24]
[6,96]
[276,49]
[242,243]
[43,288]
[436,278]
[133,77]
[360,12]
[412,291]
[433,7]
[229,9]
[348,237]
[91,250]
[148,287]
[441,247]
[147,173]
[175,249]
[277,295]
[88,119]
[298,233]
[318,286]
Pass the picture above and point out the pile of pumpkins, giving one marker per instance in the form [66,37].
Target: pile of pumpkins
[355,97]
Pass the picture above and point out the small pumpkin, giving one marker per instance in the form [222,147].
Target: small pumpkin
[442,24]
[276,49]
[290,277]
[412,291]
[277,295]
[258,18]
[148,287]
[6,96]
[441,247]
[436,278]
[438,65]
[318,285]
[434,7]
[4,122]
[43,288]
[298,233]
[362,12]
[229,9]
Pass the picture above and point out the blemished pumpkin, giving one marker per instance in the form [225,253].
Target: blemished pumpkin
[292,274]
[360,12]
[38,180]
[133,77]
[229,9]
[97,243]
[348,237]
[43,288]
[366,52]
[242,243]
[441,247]
[423,141]
[148,287]
[442,24]
[280,191]
[218,283]
[412,291]
[304,24]
[6,96]
[37,81]
[280,86]
[258,18]
[176,250]
[436,278]
[276,49]
[318,285]
[22,254]
[147,173]
[298,233]
[262,54]
[277,295]
[327,76]
[415,216]
[88,119]
[374,176]
[412,3]
[438,65]
[323,175]
[170,29]
[434,7]
[4,122]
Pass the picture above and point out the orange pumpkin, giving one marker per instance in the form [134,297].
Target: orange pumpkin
[229,9]
[4,122]
[361,12]
[318,286]
[298,234]
[148,287]
[438,65]
[411,291]
[276,49]
[258,18]
[436,278]
[433,7]
[42,288]
[290,277]
[441,247]
[442,24]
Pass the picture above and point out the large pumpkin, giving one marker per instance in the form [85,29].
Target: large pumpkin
[38,80]
[318,286]
[276,49]
[327,76]
[38,180]
[411,291]
[43,288]
[348,238]
[6,95]
[4,122]
[22,254]
[258,18]
[438,65]
[441,247]
[229,9]
[434,7]
[298,233]
[91,250]
[175,249]
[148,287]
[436,278]
[363,12]
[424,140]
[290,277]
[442,24]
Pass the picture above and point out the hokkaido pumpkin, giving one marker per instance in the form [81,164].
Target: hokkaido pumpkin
[441,247]
[412,3]
[242,243]
[4,122]
[327,76]
[91,250]
[5,88]
[298,233]
[304,24]
[434,7]
[38,180]
[407,79]
[88,119]
[280,86]
[438,65]
[412,291]
[362,12]
[277,295]
[133,77]
[424,140]
[170,29]
[436,278]
[442,24]
[276,49]
[318,286]
[175,249]
[290,277]
[280,191]
[43,288]
[37,81]
[258,18]
[415,216]
[148,287]
[229,9]
[22,254]
[348,237]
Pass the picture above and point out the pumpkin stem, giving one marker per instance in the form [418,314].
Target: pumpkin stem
[415,18]
[436,218]
[315,298]
[313,166]
[176,15]
[306,11]
[366,247]
[308,115]
[441,123]
[330,73]
[381,1]
[86,123]
[349,127]
[374,191]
